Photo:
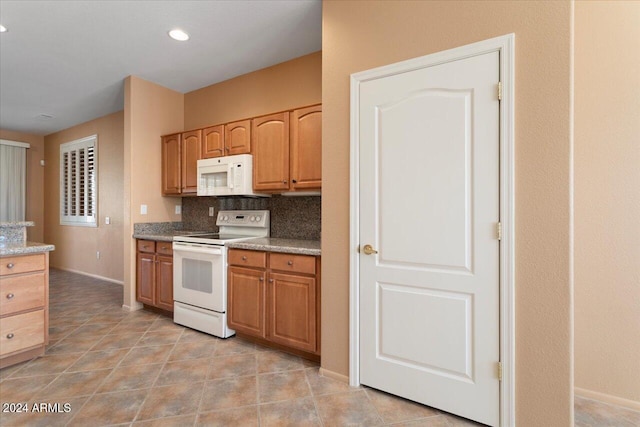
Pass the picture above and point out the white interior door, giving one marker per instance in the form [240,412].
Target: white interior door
[429,204]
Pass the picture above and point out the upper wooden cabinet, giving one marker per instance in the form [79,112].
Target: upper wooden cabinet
[306,148]
[286,148]
[180,155]
[191,153]
[287,151]
[237,138]
[271,152]
[213,142]
[171,165]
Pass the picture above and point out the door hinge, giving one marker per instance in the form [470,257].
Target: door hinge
[499,91]
[499,230]
[499,370]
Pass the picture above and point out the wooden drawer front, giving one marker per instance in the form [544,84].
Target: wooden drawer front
[295,263]
[244,258]
[21,264]
[21,331]
[21,293]
[146,246]
[164,248]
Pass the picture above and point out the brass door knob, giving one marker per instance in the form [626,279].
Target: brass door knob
[368,250]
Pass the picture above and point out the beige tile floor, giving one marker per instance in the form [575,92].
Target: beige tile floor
[105,366]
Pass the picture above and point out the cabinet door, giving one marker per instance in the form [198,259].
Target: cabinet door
[246,298]
[271,152]
[292,311]
[238,137]
[164,282]
[213,142]
[171,165]
[191,152]
[146,278]
[306,148]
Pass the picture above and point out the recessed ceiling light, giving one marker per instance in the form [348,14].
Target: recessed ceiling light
[179,35]
[3,29]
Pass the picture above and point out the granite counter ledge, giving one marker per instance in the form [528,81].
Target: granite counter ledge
[22,248]
[272,244]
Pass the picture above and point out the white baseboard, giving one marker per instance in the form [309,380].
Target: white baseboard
[334,375]
[130,308]
[95,276]
[607,398]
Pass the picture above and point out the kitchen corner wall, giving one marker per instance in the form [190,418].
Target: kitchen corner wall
[35,181]
[607,201]
[76,247]
[291,217]
[357,36]
[150,111]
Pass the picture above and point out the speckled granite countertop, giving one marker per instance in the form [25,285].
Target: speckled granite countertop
[270,244]
[21,248]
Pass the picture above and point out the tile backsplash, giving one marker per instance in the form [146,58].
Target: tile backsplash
[291,217]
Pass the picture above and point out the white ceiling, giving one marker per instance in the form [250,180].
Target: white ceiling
[68,59]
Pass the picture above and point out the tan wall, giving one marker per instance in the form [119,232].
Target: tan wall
[76,247]
[607,199]
[361,35]
[281,87]
[150,111]
[35,181]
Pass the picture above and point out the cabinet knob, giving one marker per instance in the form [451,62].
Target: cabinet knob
[9,336]
[270,280]
[261,279]
[289,262]
[244,258]
[294,181]
[284,181]
[145,246]
[10,265]
[10,296]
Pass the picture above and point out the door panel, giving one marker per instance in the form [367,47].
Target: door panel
[213,142]
[191,153]
[429,204]
[246,303]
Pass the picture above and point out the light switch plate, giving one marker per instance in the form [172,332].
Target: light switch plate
[178,209]
[143,209]
[211,211]
[107,220]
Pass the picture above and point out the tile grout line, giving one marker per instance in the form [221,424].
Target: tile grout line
[107,377]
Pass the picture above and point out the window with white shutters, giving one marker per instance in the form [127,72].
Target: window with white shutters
[79,182]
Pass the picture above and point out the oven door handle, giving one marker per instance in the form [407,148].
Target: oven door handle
[209,250]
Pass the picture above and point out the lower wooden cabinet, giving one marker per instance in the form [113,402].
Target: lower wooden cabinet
[24,307]
[154,274]
[275,297]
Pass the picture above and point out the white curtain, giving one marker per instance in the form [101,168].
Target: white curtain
[13,182]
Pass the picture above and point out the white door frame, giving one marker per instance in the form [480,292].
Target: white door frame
[505,46]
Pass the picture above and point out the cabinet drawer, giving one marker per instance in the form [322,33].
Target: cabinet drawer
[146,246]
[21,331]
[21,293]
[21,264]
[245,258]
[164,248]
[295,263]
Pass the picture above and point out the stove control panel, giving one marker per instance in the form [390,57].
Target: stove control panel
[258,219]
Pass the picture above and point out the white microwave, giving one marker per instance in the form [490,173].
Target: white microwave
[226,176]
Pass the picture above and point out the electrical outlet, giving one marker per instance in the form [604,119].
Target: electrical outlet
[178,209]
[97,254]
[143,209]
[107,220]
[211,211]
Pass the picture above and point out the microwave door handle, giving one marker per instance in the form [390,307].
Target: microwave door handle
[230,176]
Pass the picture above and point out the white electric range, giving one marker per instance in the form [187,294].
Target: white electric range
[200,270]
